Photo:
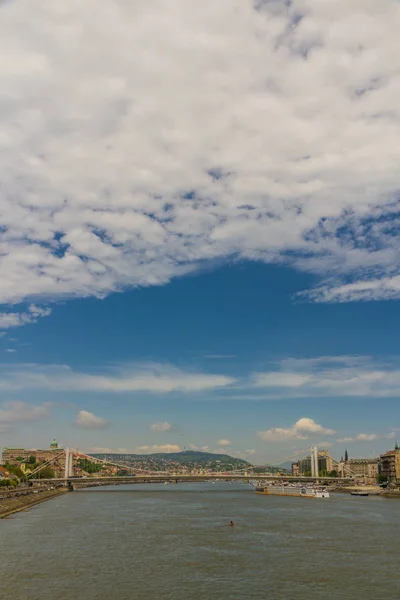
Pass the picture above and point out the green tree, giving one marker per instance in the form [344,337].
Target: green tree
[45,473]
[8,482]
[89,466]
[14,469]
[32,460]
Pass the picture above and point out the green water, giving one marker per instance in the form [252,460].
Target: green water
[174,542]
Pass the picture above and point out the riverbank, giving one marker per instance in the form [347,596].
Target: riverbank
[349,489]
[9,506]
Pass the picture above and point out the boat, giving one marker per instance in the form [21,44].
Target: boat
[359,493]
[295,491]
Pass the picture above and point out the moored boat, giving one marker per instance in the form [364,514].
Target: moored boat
[295,491]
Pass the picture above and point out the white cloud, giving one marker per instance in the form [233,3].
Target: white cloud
[220,356]
[201,448]
[163,448]
[301,430]
[361,437]
[87,420]
[265,131]
[308,425]
[279,434]
[155,378]
[164,426]
[331,377]
[6,429]
[13,411]
[224,442]
[33,313]
[284,380]
[10,350]
[103,450]
[386,288]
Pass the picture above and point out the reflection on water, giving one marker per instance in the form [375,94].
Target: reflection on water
[174,542]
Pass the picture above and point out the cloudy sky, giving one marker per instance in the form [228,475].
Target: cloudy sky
[199,211]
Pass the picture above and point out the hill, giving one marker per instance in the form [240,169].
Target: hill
[190,458]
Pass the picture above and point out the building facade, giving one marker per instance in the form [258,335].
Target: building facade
[303,466]
[362,467]
[390,465]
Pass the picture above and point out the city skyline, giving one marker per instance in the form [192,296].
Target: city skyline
[199,226]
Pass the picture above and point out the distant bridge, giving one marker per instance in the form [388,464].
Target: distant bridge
[82,482]
[68,455]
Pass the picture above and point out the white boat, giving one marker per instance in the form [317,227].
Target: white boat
[295,491]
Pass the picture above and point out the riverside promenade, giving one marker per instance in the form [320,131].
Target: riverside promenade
[11,503]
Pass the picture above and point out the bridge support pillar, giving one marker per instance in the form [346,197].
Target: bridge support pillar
[69,456]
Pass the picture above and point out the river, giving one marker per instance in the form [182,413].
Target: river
[156,542]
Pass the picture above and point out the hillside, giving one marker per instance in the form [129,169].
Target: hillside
[189,458]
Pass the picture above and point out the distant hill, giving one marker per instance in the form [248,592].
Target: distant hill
[187,458]
[193,459]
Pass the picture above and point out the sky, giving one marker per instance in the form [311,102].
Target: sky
[199,215]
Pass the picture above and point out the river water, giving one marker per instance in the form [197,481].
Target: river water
[156,542]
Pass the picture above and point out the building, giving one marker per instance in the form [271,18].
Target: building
[390,465]
[295,469]
[362,467]
[325,463]
[4,474]
[304,466]
[24,457]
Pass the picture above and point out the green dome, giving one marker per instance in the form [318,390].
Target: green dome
[53,445]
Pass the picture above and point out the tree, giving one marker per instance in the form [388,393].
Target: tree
[32,460]
[346,456]
[46,473]
[8,482]
[14,469]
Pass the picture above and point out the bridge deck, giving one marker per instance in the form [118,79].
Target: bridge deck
[158,478]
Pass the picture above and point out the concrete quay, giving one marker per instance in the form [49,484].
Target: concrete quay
[10,503]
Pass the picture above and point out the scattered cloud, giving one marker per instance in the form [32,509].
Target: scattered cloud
[163,448]
[155,378]
[386,288]
[6,429]
[201,448]
[279,434]
[220,356]
[103,450]
[87,420]
[335,376]
[308,425]
[123,187]
[16,411]
[10,350]
[224,442]
[12,319]
[301,430]
[366,437]
[164,426]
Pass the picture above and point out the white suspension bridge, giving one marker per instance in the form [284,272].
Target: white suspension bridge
[68,456]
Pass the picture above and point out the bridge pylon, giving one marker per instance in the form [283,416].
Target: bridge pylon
[69,456]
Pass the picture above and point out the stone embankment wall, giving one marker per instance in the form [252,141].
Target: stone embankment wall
[13,504]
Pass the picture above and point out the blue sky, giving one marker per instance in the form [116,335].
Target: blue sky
[199,226]
[197,345]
